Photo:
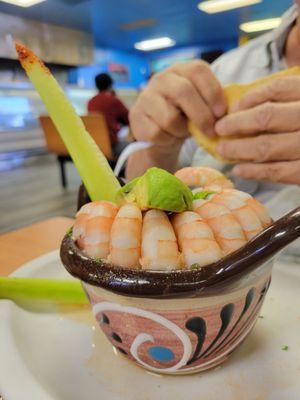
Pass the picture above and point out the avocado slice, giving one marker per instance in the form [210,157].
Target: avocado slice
[157,189]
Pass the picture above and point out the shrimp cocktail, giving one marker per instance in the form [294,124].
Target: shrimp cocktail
[176,267]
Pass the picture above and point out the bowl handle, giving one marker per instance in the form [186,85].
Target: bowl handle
[260,249]
[280,234]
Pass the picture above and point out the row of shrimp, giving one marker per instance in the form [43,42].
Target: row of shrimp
[219,224]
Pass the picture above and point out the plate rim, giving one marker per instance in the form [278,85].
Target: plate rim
[36,390]
[36,262]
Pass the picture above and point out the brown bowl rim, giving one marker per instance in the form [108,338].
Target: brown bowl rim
[167,284]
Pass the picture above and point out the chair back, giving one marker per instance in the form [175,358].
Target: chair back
[96,126]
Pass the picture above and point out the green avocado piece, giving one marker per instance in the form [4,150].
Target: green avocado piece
[157,189]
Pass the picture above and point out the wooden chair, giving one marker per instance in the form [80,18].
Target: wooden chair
[95,124]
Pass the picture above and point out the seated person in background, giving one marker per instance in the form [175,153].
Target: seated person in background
[115,112]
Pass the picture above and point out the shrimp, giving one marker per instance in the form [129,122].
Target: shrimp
[92,228]
[204,177]
[209,196]
[257,207]
[159,244]
[126,235]
[86,212]
[196,240]
[245,215]
[79,226]
[227,230]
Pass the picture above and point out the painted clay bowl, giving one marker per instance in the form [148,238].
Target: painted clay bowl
[186,321]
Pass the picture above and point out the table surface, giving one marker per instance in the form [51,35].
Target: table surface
[25,244]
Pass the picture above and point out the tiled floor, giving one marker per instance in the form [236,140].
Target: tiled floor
[33,192]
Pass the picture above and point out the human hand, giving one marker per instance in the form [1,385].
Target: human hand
[184,91]
[270,118]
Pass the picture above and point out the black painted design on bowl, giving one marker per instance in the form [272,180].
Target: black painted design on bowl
[104,319]
[121,350]
[254,311]
[116,337]
[248,302]
[196,325]
[226,317]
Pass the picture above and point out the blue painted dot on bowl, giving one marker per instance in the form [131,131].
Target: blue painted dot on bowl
[160,353]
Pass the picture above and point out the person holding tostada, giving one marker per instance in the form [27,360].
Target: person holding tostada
[266,155]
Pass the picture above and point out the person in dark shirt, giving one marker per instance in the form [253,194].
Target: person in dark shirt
[115,112]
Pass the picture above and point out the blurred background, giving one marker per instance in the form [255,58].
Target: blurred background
[78,39]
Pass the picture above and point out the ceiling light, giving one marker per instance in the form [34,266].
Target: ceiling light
[260,25]
[215,6]
[154,44]
[23,3]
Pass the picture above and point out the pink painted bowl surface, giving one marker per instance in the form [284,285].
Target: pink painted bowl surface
[180,336]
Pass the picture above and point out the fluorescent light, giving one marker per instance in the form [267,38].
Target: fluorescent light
[260,25]
[215,6]
[23,3]
[154,44]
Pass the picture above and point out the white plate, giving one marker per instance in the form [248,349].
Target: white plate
[60,355]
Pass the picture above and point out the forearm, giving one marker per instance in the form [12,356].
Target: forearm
[154,156]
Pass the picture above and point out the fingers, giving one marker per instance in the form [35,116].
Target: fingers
[264,148]
[278,90]
[267,117]
[204,80]
[146,129]
[284,172]
[273,108]
[164,113]
[182,93]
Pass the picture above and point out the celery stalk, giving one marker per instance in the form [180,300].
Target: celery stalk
[92,165]
[37,289]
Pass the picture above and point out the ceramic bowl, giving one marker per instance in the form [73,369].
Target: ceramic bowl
[182,322]
[180,336]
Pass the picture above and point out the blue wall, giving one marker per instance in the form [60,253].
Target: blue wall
[140,65]
[136,65]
